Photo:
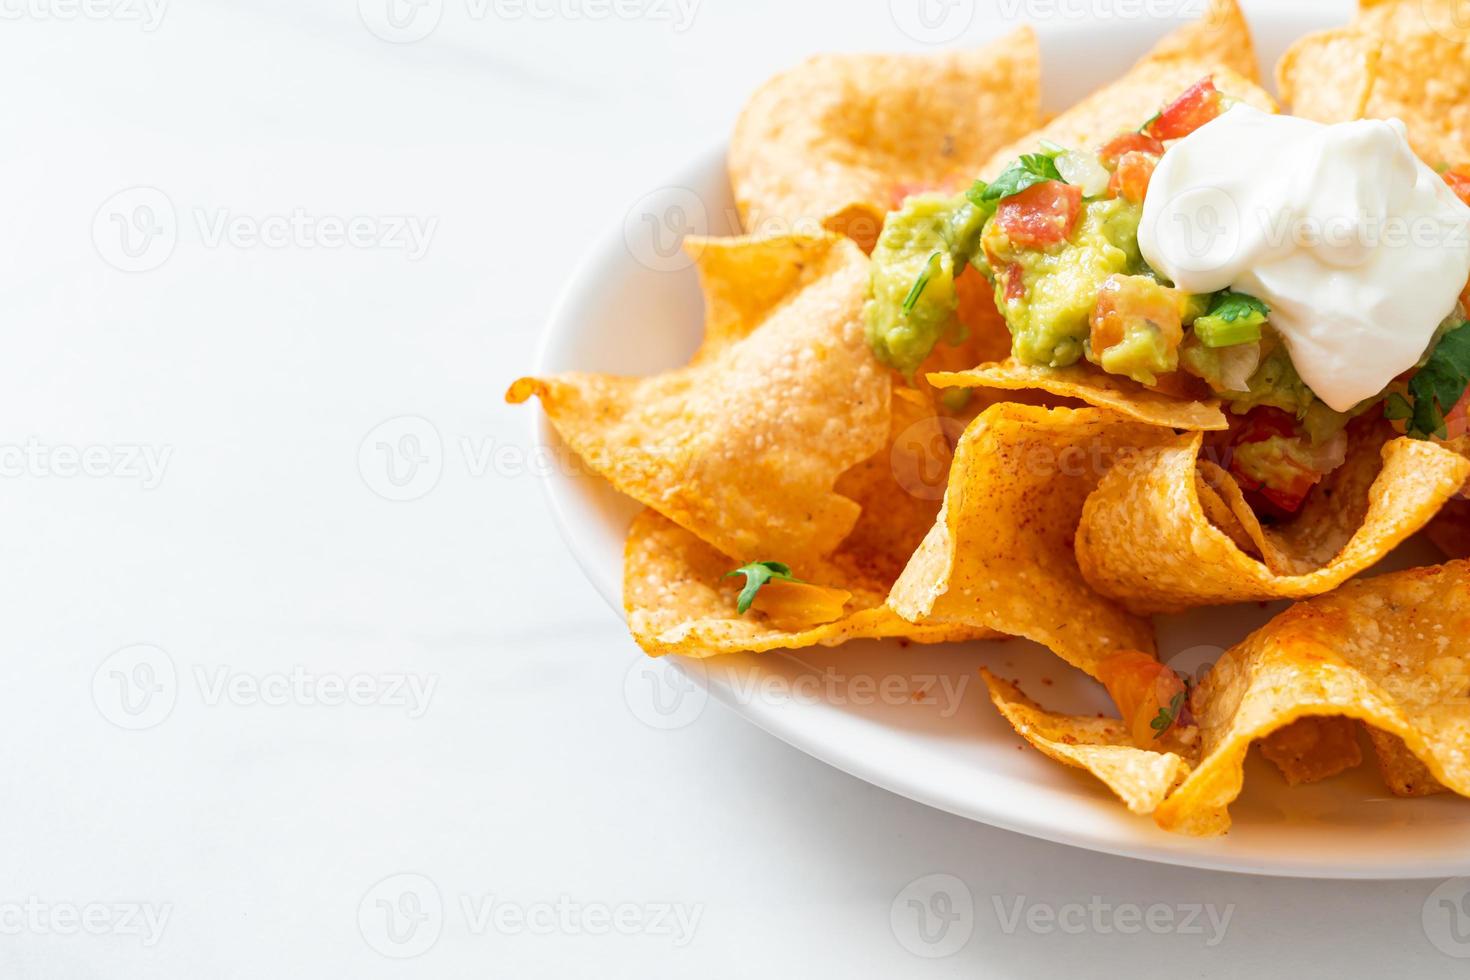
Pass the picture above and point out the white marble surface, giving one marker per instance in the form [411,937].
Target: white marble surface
[346,688]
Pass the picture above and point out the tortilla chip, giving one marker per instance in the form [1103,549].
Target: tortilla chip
[1097,388]
[678,601]
[1219,44]
[1392,651]
[1408,59]
[840,140]
[1102,746]
[1000,555]
[744,446]
[1328,76]
[1145,538]
[1402,772]
[1315,748]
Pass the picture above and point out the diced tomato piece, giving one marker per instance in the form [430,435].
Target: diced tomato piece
[1457,419]
[1141,687]
[1015,283]
[1459,180]
[1112,151]
[1200,103]
[1134,302]
[1264,423]
[1130,180]
[1040,216]
[1293,481]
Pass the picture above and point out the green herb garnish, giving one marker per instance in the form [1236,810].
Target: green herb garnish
[757,574]
[1169,715]
[1234,318]
[1435,389]
[917,289]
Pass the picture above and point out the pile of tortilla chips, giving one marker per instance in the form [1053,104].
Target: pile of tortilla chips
[1065,506]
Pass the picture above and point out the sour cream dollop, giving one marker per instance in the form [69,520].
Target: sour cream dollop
[1358,248]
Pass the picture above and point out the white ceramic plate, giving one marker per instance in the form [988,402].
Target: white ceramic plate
[916,720]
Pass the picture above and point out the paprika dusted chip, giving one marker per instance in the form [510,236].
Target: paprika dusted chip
[1096,388]
[1328,76]
[1145,538]
[678,599]
[1141,778]
[1392,651]
[744,446]
[1000,555]
[1404,59]
[1219,44]
[840,140]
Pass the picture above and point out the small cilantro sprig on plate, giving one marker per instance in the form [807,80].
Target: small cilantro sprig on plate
[757,574]
[1169,714]
[1435,389]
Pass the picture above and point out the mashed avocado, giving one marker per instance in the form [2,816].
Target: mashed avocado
[922,249]
[1049,321]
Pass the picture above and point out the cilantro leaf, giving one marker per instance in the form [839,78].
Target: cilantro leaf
[1435,389]
[1031,168]
[757,574]
[1231,306]
[917,289]
[1167,716]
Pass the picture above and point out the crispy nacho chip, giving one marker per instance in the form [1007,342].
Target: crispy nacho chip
[1312,749]
[1408,59]
[744,446]
[678,600]
[840,140]
[1146,540]
[1402,772]
[1392,651]
[1328,76]
[1102,746]
[1096,388]
[1000,555]
[1219,44]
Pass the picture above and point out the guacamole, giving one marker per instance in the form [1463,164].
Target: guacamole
[923,248]
[1049,314]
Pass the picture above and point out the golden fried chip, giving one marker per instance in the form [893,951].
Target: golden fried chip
[678,600]
[744,446]
[1402,772]
[1097,388]
[1328,76]
[1408,59]
[1145,538]
[1000,555]
[1102,746]
[1313,749]
[1219,45]
[1392,651]
[840,140]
